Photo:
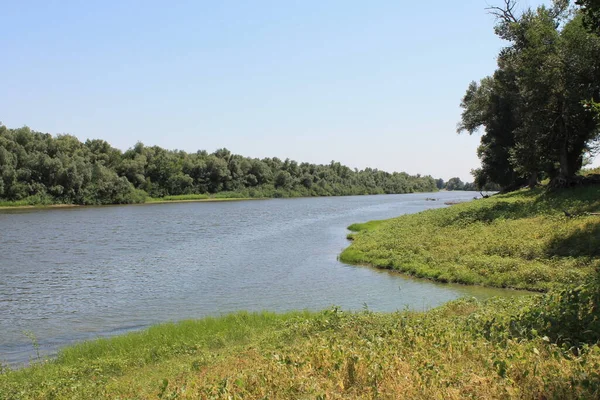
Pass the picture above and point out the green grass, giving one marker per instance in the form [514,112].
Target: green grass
[16,203]
[542,346]
[182,197]
[364,226]
[262,192]
[31,201]
[36,201]
[464,349]
[520,240]
[87,369]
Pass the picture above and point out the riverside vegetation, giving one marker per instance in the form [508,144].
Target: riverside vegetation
[537,346]
[39,169]
[531,239]
[540,111]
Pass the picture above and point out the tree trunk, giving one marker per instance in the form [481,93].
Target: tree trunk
[565,170]
[533,180]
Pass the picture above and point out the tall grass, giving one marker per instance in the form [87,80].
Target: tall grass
[94,364]
[446,353]
[522,240]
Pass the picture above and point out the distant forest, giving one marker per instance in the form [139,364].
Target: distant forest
[38,168]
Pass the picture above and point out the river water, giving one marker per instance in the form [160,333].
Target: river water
[74,274]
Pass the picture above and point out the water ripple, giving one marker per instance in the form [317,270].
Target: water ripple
[76,274]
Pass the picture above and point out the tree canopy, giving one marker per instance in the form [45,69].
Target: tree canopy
[45,169]
[539,108]
[590,10]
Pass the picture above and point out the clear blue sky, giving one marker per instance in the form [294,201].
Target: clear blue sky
[365,83]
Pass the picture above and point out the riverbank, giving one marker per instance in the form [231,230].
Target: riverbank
[7,206]
[150,200]
[184,198]
[530,240]
[537,346]
[196,199]
[465,349]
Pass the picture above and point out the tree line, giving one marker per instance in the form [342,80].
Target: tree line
[540,110]
[457,184]
[42,169]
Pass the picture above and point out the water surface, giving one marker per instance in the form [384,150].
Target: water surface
[79,273]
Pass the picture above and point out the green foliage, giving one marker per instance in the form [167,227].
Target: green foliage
[455,351]
[537,108]
[569,318]
[360,227]
[180,197]
[529,346]
[36,168]
[365,226]
[455,184]
[521,240]
[591,14]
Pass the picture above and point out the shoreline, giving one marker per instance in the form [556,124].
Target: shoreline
[408,275]
[159,201]
[25,207]
[212,200]
[487,243]
[334,353]
[200,200]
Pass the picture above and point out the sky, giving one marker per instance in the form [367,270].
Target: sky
[369,84]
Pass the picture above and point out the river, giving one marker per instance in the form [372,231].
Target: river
[74,274]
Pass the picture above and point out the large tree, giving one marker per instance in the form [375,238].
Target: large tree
[591,14]
[535,108]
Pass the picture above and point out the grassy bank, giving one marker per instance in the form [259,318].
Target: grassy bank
[520,240]
[32,201]
[45,201]
[542,346]
[464,349]
[198,198]
[149,200]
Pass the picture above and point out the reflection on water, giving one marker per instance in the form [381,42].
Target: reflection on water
[75,274]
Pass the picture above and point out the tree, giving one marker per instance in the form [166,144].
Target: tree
[493,104]
[533,110]
[439,183]
[590,10]
[455,184]
[283,180]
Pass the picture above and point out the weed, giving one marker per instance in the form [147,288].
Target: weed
[34,342]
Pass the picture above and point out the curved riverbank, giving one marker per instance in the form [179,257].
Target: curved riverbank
[528,240]
[537,346]
[464,349]
[74,274]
